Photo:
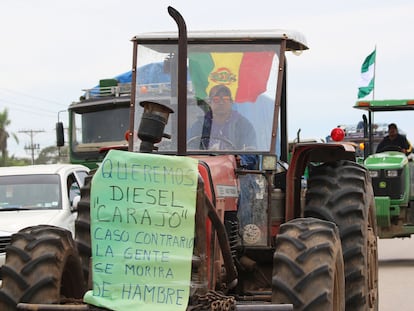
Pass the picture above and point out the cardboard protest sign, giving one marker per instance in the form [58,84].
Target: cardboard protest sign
[142,231]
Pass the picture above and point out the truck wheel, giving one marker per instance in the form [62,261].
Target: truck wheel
[308,269]
[83,225]
[341,192]
[42,266]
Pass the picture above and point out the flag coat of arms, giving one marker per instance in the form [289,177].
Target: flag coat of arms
[245,74]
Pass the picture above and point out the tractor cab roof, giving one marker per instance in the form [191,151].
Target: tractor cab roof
[385,105]
[295,41]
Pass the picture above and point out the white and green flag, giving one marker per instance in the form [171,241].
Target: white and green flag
[366,83]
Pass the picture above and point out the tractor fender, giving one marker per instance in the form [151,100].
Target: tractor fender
[302,155]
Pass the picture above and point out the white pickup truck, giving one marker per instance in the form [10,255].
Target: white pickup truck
[38,194]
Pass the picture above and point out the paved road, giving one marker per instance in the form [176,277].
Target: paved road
[396,274]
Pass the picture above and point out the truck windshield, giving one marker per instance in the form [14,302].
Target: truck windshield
[92,130]
[230,94]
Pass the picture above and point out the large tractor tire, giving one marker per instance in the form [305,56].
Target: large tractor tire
[308,269]
[341,192]
[83,225]
[42,266]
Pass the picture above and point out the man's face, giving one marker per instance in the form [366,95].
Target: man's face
[392,132]
[220,104]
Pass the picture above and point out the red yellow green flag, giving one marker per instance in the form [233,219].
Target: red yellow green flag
[245,74]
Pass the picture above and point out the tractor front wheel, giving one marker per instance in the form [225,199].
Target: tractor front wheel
[42,267]
[308,269]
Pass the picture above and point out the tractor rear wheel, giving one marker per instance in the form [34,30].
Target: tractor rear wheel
[42,266]
[308,269]
[83,225]
[341,192]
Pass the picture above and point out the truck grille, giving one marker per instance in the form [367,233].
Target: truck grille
[4,241]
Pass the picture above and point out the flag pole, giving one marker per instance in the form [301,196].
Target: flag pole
[375,65]
[370,115]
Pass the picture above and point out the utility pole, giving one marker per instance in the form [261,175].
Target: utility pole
[32,147]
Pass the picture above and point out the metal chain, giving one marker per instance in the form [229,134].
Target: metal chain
[213,301]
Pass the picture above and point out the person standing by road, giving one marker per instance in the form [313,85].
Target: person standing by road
[394,140]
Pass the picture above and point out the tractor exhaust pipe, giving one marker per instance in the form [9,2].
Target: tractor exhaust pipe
[182,81]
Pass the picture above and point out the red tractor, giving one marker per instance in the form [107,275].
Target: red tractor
[266,237]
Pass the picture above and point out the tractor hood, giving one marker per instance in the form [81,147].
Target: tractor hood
[386,160]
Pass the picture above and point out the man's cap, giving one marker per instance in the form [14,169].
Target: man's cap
[220,89]
[392,125]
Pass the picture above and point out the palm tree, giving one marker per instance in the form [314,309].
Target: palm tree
[4,135]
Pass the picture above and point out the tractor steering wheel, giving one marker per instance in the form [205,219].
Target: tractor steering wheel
[198,142]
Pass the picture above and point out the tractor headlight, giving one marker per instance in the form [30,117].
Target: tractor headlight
[374,174]
[391,173]
[269,162]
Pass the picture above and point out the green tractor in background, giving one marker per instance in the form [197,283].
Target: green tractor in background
[392,174]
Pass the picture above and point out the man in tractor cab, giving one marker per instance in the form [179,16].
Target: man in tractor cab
[222,127]
[394,141]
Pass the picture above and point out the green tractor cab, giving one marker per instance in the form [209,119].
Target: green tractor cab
[392,174]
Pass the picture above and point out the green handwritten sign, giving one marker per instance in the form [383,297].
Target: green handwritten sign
[142,231]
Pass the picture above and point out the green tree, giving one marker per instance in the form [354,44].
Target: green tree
[13,161]
[4,136]
[52,154]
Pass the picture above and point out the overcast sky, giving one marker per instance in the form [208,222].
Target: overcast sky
[51,50]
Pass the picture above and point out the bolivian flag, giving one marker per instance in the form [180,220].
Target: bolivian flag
[245,74]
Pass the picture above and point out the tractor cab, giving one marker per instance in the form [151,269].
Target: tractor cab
[248,67]
[230,115]
[392,174]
